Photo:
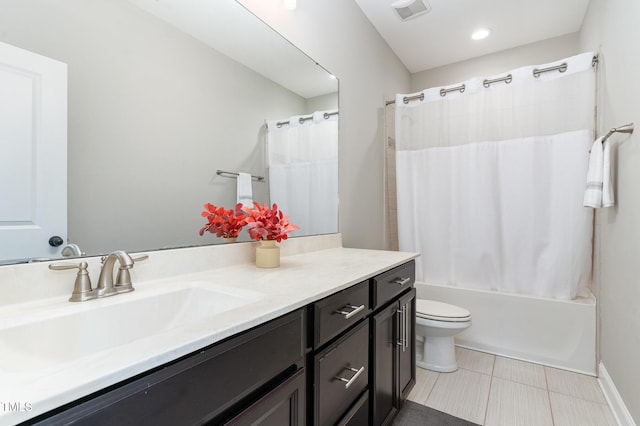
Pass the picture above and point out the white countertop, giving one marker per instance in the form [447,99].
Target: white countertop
[300,280]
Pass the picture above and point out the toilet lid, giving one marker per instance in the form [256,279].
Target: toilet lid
[431,309]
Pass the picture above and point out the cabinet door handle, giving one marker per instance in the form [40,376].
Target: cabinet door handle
[405,315]
[349,314]
[403,322]
[401,325]
[349,382]
[401,281]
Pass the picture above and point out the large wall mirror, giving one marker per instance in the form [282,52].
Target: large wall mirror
[161,95]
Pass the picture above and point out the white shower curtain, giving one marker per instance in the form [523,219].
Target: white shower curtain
[490,181]
[303,171]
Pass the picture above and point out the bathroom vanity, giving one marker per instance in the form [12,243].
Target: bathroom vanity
[327,338]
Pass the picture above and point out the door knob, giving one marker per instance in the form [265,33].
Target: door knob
[55,241]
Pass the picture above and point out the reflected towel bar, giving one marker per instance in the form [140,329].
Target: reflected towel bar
[235,175]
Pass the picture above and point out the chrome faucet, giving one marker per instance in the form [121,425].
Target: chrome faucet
[106,286]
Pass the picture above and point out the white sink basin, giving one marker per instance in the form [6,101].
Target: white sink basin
[82,329]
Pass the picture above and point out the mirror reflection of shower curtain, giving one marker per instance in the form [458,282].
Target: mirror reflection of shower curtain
[490,182]
[303,171]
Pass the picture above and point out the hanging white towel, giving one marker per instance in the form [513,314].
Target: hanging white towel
[599,190]
[607,182]
[244,189]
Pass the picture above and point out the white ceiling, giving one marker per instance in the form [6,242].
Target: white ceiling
[442,36]
[232,30]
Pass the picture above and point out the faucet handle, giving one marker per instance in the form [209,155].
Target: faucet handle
[140,258]
[64,266]
[82,286]
[123,279]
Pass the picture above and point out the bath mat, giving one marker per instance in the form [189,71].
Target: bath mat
[413,414]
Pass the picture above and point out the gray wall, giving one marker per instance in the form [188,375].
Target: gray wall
[337,35]
[152,114]
[611,26]
[322,103]
[531,54]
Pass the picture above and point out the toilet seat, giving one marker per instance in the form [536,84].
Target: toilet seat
[438,311]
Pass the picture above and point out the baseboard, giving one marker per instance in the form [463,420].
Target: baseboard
[622,415]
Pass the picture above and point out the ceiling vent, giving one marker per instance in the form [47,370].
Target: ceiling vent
[409,9]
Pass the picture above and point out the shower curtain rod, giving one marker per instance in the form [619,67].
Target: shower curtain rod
[235,175]
[486,83]
[301,120]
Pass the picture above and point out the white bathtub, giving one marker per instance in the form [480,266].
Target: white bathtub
[558,333]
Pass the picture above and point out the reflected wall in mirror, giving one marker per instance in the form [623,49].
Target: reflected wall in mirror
[161,95]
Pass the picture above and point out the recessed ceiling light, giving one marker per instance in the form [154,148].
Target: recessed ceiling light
[481,34]
[290,4]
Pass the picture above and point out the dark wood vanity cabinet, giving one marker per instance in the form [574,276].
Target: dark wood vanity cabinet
[347,359]
[338,366]
[341,375]
[232,381]
[389,319]
[393,346]
[406,365]
[284,405]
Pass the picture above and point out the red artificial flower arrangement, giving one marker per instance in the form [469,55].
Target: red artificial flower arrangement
[266,223]
[224,223]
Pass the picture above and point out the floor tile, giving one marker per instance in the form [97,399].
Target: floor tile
[574,384]
[425,380]
[494,390]
[515,404]
[520,371]
[570,411]
[479,362]
[462,394]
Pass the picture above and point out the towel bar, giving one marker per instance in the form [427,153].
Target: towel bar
[235,175]
[627,128]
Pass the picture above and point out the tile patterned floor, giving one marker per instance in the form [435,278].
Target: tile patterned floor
[496,391]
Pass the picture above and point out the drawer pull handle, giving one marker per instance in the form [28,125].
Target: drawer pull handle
[349,314]
[349,382]
[401,281]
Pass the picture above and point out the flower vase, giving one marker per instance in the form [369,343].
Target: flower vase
[267,254]
[229,239]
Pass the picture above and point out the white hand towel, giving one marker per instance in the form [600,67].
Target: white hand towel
[599,190]
[244,189]
[607,182]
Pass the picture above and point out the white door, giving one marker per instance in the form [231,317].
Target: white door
[33,154]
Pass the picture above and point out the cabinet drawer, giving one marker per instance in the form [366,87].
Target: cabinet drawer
[336,313]
[389,284]
[201,386]
[283,406]
[341,374]
[358,415]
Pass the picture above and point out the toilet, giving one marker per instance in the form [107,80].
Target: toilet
[437,323]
